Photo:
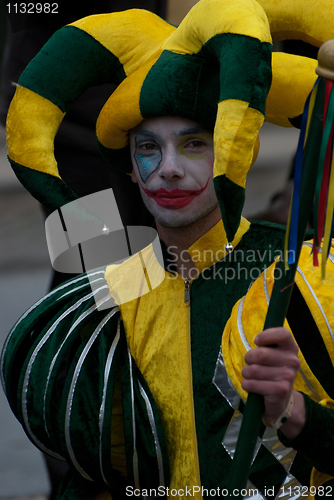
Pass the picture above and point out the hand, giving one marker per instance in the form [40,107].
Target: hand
[271,372]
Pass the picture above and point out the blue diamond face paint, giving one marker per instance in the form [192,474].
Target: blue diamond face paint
[148,158]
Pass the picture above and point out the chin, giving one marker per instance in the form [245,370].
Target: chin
[180,218]
[177,221]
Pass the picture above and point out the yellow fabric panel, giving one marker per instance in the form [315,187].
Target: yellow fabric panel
[208,250]
[33,121]
[324,293]
[122,112]
[293,80]
[159,341]
[221,16]
[249,324]
[235,137]
[137,276]
[302,19]
[132,35]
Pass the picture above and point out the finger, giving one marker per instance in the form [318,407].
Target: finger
[267,356]
[279,336]
[268,373]
[275,393]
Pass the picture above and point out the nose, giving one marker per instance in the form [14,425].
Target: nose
[171,166]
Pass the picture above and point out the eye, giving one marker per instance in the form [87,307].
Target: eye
[148,147]
[196,145]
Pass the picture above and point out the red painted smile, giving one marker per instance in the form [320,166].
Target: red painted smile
[176,198]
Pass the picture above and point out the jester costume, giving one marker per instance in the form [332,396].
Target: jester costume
[139,395]
[142,393]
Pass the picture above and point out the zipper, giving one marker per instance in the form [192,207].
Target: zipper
[187,284]
[187,293]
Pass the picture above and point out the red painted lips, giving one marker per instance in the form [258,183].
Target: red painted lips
[176,198]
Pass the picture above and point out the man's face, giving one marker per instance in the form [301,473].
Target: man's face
[172,161]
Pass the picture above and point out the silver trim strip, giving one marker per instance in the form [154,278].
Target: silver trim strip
[104,394]
[25,384]
[72,389]
[155,434]
[135,455]
[310,386]
[240,326]
[223,383]
[82,286]
[265,286]
[284,455]
[81,318]
[231,436]
[316,301]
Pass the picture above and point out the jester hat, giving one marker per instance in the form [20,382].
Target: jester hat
[215,68]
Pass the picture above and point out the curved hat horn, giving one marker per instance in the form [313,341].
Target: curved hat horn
[95,50]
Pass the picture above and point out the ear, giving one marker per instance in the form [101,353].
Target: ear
[134,176]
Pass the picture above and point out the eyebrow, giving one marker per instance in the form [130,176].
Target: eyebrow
[180,133]
[193,131]
[146,133]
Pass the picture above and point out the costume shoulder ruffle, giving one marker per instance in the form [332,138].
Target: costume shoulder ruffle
[310,319]
[311,296]
[71,381]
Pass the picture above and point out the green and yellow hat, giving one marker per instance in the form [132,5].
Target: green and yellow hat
[215,68]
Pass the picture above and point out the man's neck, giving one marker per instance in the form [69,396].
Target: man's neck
[179,239]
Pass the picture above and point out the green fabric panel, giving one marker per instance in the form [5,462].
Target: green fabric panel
[316,438]
[244,78]
[213,296]
[69,63]
[127,409]
[305,323]
[231,199]
[50,191]
[192,85]
[182,85]
[117,158]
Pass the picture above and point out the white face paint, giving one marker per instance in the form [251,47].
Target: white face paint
[172,161]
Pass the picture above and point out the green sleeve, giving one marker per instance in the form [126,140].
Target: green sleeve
[316,440]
